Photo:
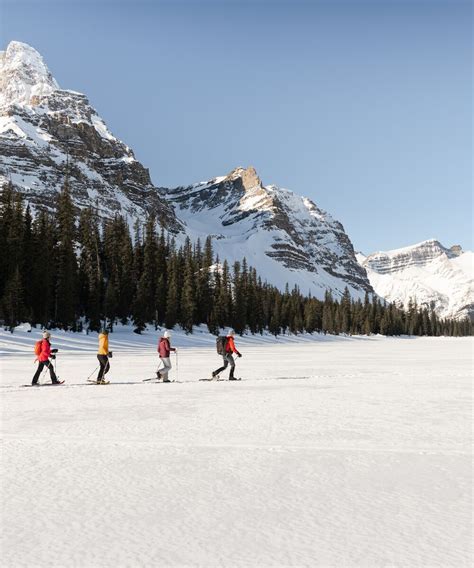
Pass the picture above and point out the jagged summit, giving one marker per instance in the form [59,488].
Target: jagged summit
[43,128]
[248,175]
[287,237]
[24,76]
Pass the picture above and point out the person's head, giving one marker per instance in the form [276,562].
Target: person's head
[104,331]
[167,334]
[231,333]
[46,334]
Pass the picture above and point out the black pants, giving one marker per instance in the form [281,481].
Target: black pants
[104,366]
[41,366]
[228,360]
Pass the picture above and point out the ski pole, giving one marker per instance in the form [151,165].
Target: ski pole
[153,378]
[92,373]
[176,353]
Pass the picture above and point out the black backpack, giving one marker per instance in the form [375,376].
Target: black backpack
[221,343]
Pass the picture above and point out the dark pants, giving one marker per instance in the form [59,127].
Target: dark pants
[41,366]
[228,360]
[104,366]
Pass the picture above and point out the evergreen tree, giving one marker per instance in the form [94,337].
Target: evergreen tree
[13,301]
[66,264]
[188,298]
[90,269]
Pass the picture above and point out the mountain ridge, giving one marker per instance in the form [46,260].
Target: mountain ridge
[428,272]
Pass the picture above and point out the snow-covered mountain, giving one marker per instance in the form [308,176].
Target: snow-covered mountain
[286,237]
[46,131]
[427,272]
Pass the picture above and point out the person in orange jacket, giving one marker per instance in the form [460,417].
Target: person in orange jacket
[103,355]
[228,358]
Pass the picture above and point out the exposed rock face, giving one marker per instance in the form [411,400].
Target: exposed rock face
[286,237]
[429,273]
[46,131]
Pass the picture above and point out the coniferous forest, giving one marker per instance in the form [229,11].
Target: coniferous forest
[75,271]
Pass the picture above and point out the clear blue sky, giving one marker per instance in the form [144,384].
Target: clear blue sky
[365,107]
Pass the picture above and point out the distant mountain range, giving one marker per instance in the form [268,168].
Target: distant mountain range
[428,272]
[46,131]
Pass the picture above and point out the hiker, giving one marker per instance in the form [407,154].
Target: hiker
[103,355]
[164,349]
[43,354]
[229,349]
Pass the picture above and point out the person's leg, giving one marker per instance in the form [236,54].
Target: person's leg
[231,361]
[37,374]
[166,368]
[52,374]
[220,369]
[102,361]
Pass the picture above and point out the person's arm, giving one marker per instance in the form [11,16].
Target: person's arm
[233,348]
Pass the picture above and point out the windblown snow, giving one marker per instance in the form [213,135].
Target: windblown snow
[331,452]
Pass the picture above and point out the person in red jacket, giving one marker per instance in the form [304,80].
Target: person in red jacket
[230,348]
[44,360]
[164,350]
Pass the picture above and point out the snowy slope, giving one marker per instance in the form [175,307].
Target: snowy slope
[426,272]
[285,236]
[359,455]
[46,131]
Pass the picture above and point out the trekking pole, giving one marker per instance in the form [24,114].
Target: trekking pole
[153,378]
[92,372]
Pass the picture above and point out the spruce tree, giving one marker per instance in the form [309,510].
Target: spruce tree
[66,264]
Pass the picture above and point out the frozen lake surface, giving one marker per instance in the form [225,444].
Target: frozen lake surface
[331,452]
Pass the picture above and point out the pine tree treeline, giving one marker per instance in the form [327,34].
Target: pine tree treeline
[66,271]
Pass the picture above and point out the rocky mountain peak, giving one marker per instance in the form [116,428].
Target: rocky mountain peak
[456,250]
[248,176]
[24,76]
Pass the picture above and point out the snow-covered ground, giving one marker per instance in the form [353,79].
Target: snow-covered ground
[332,452]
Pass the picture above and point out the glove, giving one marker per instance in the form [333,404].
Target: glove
[54,350]
[239,355]
[109,354]
[53,356]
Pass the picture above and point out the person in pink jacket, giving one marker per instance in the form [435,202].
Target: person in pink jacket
[45,353]
[164,350]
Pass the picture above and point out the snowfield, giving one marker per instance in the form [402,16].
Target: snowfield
[343,452]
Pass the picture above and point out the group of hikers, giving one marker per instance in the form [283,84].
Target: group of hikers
[44,356]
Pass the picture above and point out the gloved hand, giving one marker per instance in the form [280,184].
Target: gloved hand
[53,356]
[54,350]
[109,354]
[239,355]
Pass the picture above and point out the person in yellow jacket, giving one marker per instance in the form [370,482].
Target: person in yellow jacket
[103,355]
